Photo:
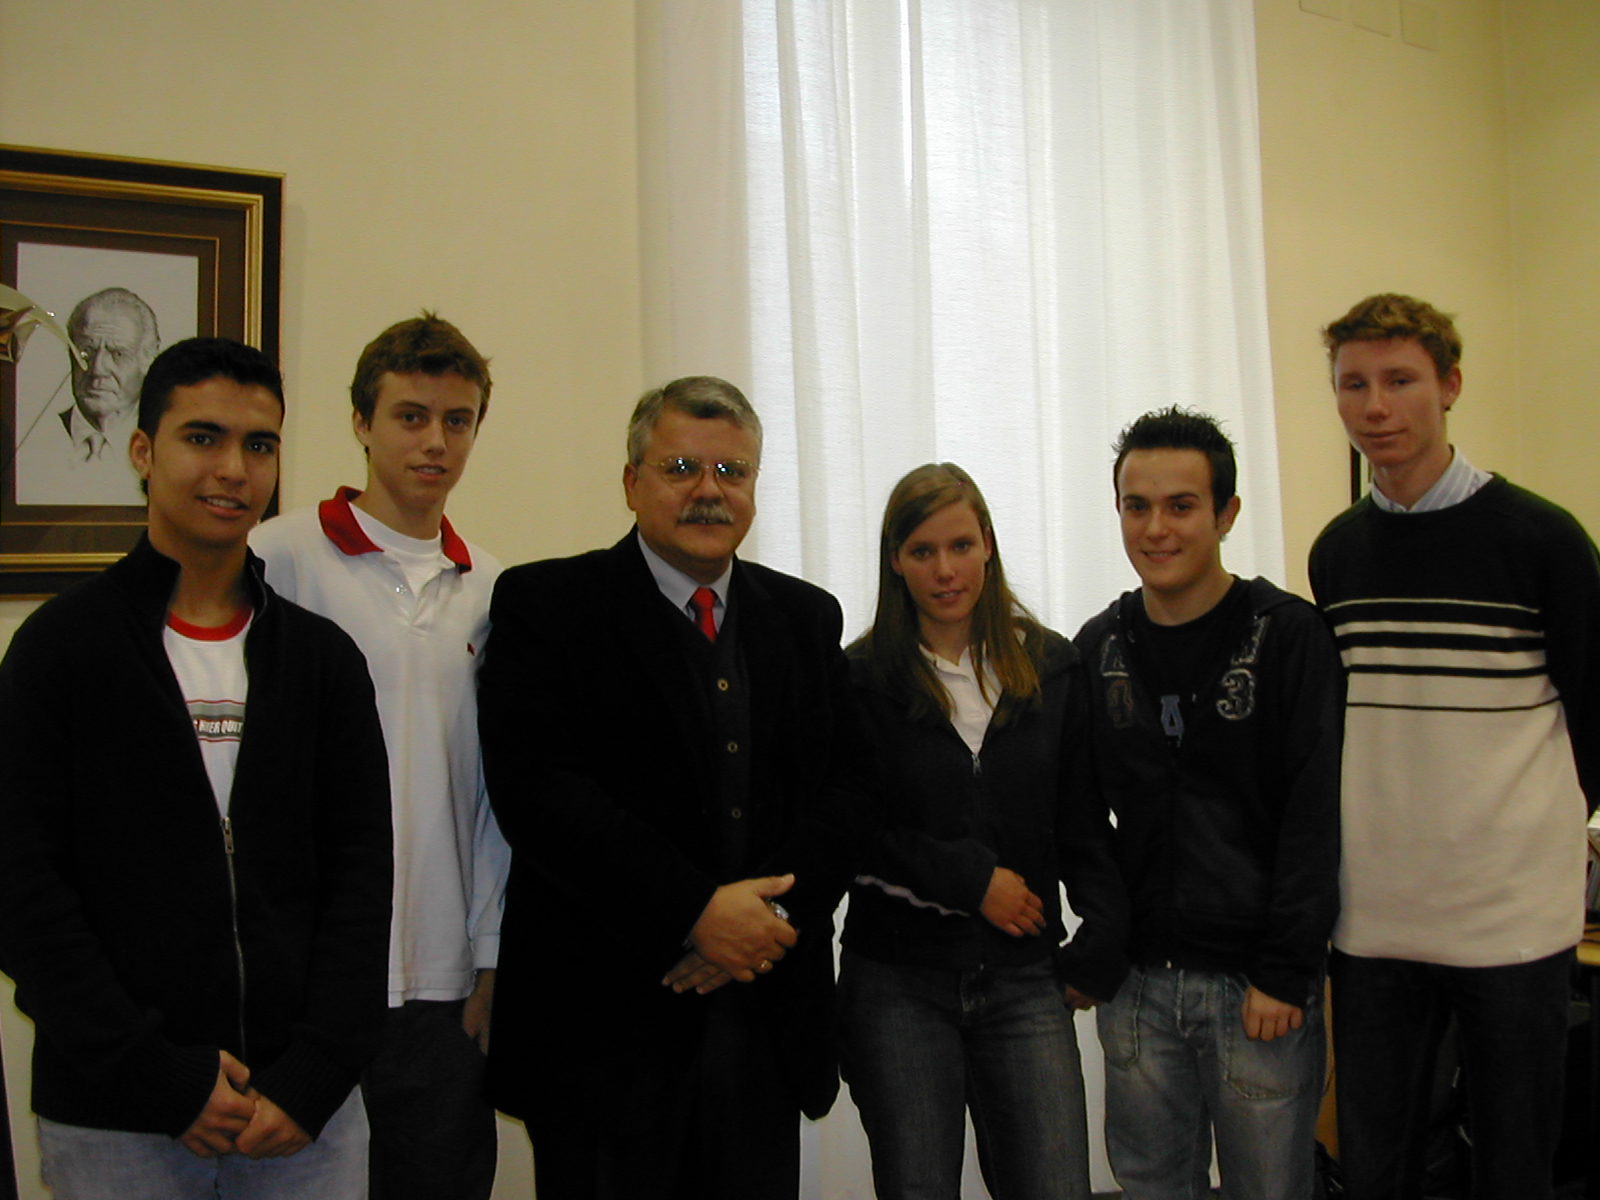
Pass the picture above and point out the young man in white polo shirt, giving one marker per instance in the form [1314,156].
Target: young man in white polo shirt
[385,564]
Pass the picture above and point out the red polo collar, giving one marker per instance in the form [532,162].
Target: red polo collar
[345,532]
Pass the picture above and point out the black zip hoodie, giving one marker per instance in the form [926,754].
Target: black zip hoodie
[952,817]
[139,945]
[1229,842]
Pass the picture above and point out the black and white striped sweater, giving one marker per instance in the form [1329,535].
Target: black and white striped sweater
[1471,641]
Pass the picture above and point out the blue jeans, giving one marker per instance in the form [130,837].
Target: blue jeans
[1388,1017]
[110,1164]
[921,1046]
[1180,1070]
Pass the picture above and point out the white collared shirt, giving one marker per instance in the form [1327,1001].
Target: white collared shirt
[970,708]
[422,645]
[93,469]
[421,560]
[680,588]
[88,443]
[1460,480]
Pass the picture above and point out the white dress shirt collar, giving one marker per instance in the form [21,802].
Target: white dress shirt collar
[678,587]
[1460,480]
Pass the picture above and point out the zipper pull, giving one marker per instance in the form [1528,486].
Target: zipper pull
[227,835]
[977,765]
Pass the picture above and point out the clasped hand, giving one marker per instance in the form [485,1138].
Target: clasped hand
[738,936]
[239,1119]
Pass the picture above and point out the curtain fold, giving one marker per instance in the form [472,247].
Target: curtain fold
[985,231]
[988,231]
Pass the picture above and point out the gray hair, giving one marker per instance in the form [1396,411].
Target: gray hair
[703,396]
[119,297]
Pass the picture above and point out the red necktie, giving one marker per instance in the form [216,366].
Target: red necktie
[703,600]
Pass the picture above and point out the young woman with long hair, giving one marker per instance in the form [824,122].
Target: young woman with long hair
[956,992]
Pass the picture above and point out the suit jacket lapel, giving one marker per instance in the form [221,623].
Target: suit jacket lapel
[652,658]
[765,640]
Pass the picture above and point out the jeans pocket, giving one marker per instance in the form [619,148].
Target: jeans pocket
[1275,1070]
[1117,1022]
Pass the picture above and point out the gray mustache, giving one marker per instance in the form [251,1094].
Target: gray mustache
[707,512]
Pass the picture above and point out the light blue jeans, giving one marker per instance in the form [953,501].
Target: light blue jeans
[110,1164]
[1179,1069]
[920,1047]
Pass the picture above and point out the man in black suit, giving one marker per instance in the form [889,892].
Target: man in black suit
[671,749]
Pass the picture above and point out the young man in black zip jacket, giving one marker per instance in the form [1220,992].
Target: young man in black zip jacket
[194,836]
[1217,734]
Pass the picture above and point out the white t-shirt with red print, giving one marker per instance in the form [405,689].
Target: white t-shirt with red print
[209,664]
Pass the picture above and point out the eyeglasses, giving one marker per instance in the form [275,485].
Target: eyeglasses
[682,470]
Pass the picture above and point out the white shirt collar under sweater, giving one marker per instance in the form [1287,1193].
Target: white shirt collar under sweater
[1460,480]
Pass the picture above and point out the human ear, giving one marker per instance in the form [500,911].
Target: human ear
[630,480]
[1450,386]
[1228,515]
[139,450]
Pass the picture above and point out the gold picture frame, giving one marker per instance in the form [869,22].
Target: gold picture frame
[199,248]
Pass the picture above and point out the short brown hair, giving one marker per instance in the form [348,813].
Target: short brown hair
[425,345]
[1390,315]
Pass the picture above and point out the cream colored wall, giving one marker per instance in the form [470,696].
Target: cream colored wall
[1553,67]
[1384,169]
[1465,174]
[477,157]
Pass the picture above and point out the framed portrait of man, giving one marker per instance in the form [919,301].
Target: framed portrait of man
[128,256]
[73,423]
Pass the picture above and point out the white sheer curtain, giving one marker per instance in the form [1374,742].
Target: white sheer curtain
[989,231]
[986,231]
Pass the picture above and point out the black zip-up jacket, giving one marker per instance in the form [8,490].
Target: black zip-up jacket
[953,817]
[1229,845]
[139,945]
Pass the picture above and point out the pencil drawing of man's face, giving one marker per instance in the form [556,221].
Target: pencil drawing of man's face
[117,347]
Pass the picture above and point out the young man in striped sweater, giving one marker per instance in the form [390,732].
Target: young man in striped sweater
[1467,612]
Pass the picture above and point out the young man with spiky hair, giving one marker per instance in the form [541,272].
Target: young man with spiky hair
[1467,611]
[194,836]
[386,564]
[1215,705]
